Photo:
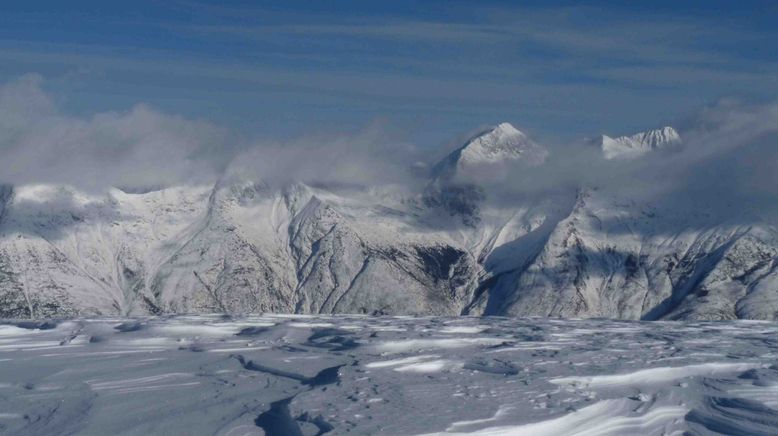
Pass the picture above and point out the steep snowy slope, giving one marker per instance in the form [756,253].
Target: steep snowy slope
[494,145]
[62,251]
[612,259]
[238,247]
[242,246]
[298,250]
[456,181]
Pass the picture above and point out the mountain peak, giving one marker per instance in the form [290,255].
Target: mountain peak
[500,143]
[497,144]
[639,143]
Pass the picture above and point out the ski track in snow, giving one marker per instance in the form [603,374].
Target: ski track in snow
[307,375]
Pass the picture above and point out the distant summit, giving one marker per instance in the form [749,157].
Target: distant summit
[638,144]
[501,143]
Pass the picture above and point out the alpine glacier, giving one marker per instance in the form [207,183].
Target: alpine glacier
[245,246]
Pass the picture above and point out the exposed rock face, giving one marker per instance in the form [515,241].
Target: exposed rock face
[241,246]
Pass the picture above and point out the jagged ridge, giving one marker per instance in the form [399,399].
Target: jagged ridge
[640,143]
[241,246]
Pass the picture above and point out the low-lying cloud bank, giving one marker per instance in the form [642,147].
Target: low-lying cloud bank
[139,147]
[143,148]
[727,167]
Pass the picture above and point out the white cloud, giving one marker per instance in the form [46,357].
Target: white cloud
[142,148]
[726,168]
[369,157]
[137,147]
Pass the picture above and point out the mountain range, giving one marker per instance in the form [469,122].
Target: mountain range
[246,246]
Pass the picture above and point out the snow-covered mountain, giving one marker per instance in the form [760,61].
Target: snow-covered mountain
[456,181]
[625,147]
[242,246]
[495,145]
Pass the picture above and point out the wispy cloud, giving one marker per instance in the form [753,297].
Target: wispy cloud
[574,31]
[566,71]
[410,31]
[538,45]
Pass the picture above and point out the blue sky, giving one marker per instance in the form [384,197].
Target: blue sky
[432,71]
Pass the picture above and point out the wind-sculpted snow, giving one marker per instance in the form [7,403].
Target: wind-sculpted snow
[309,375]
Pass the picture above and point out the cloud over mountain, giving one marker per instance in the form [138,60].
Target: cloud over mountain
[137,147]
[724,165]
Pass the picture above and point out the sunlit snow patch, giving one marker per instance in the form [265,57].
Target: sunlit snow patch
[462,329]
[654,375]
[604,418]
[425,344]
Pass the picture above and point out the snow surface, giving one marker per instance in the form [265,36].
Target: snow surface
[308,375]
[500,143]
